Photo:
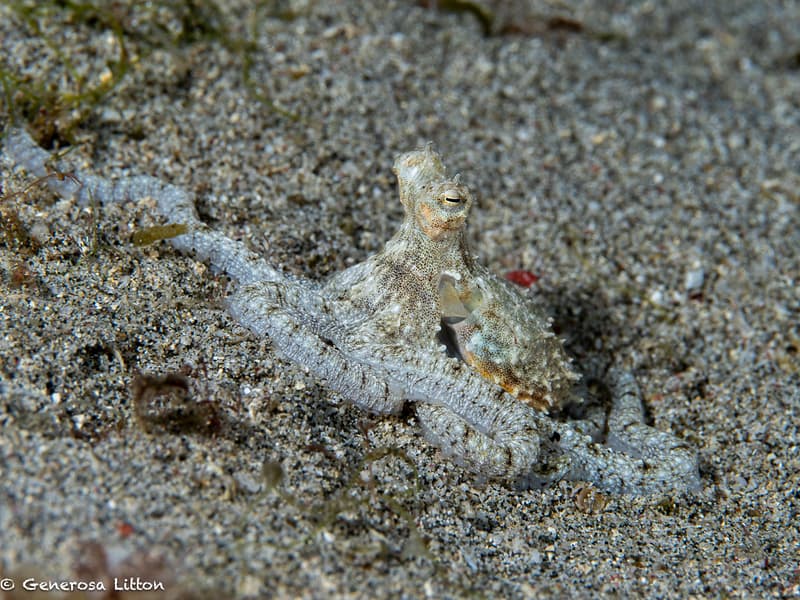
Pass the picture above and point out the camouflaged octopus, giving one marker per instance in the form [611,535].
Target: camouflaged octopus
[422,322]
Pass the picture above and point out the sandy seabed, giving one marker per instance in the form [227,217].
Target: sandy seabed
[642,160]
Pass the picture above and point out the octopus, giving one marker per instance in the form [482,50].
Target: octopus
[421,323]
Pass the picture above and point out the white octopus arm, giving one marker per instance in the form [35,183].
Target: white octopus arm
[295,322]
[470,419]
[637,458]
[173,203]
[499,437]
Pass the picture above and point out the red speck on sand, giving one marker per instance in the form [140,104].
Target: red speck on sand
[521,277]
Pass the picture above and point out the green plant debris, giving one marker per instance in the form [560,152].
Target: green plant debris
[13,233]
[156,233]
[256,91]
[246,49]
[52,111]
[272,475]
[63,95]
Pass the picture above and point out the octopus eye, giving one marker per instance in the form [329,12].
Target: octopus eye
[452,199]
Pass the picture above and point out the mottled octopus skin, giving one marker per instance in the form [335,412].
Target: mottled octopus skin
[422,322]
[426,271]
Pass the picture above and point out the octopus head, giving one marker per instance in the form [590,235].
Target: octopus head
[438,206]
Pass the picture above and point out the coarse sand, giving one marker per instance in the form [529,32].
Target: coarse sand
[642,159]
